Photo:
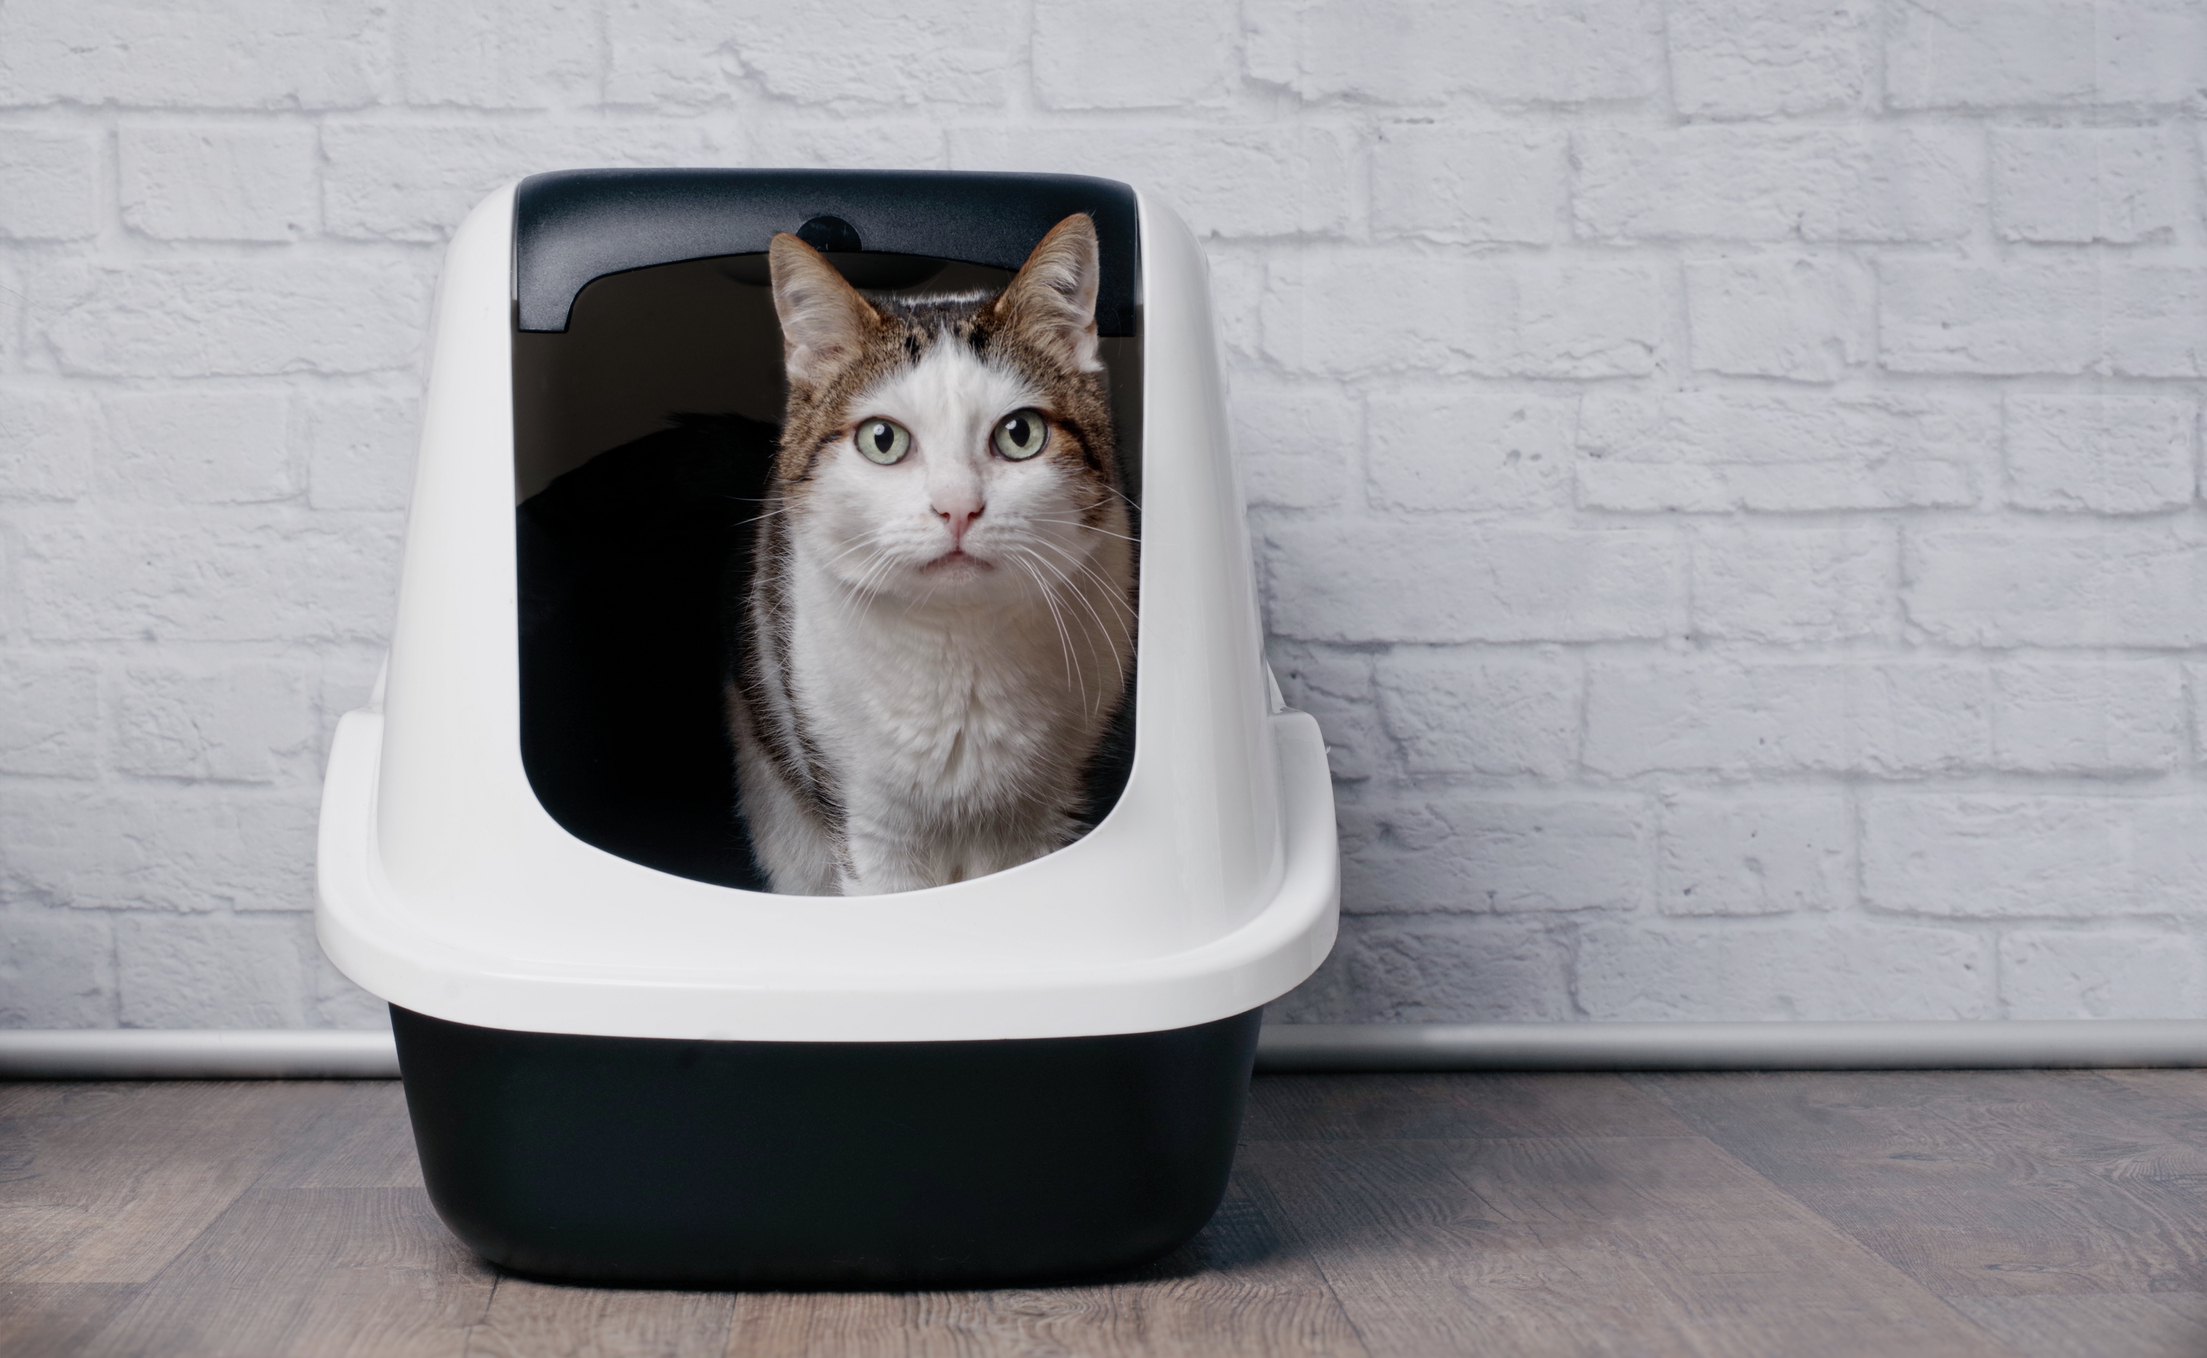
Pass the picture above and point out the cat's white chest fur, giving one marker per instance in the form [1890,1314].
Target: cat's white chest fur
[958,742]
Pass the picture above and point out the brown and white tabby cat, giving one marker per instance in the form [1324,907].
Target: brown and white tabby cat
[941,613]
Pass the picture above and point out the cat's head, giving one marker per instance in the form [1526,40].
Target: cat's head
[948,449]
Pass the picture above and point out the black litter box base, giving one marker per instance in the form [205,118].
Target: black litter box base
[824,1164]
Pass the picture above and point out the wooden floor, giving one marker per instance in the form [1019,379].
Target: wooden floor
[1774,1216]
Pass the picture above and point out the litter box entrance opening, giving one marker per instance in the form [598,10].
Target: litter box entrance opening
[643,436]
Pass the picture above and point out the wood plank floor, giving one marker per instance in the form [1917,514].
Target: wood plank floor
[2028,1214]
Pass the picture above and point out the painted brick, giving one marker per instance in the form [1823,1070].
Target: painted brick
[1354,312]
[49,182]
[1336,688]
[1237,292]
[231,317]
[45,445]
[2088,716]
[1138,54]
[690,52]
[49,714]
[1450,449]
[503,54]
[1510,51]
[240,182]
[260,575]
[409,182]
[2100,454]
[1435,968]
[1463,185]
[1717,451]
[269,54]
[1752,58]
[2195,684]
[1363,581]
[360,449]
[156,848]
[239,722]
[1990,53]
[2057,586]
[1768,852]
[56,970]
[2115,974]
[802,142]
[1298,444]
[1269,182]
[225,446]
[1455,713]
[1788,585]
[2007,855]
[218,972]
[1771,184]
[1439,236]
[2151,52]
[1797,317]
[11,317]
[1996,53]
[2156,322]
[1740,719]
[1819,968]
[1940,316]
[2078,184]
[2062,316]
[1496,854]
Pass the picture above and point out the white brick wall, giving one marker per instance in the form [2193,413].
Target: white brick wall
[1725,474]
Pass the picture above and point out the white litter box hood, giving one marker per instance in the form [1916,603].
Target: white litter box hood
[446,888]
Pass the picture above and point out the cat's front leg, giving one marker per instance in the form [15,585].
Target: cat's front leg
[787,837]
[891,845]
[1016,840]
[884,859]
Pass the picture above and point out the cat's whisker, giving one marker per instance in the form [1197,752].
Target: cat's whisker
[1072,588]
[1065,645]
[1103,629]
[1093,528]
[862,592]
[1088,569]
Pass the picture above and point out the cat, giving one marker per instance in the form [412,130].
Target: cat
[939,625]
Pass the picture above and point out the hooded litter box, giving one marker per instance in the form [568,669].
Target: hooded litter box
[623,1059]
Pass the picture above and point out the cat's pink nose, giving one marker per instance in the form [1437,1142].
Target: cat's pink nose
[958,518]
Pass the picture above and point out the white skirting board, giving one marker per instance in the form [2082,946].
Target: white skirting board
[298,1054]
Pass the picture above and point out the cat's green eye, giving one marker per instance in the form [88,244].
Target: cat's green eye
[1022,434]
[883,441]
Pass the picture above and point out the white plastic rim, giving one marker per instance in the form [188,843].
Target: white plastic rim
[1212,887]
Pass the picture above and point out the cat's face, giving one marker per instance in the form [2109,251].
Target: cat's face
[953,450]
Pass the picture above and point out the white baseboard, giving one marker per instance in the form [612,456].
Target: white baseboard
[1896,1045]
[300,1054]
[197,1054]
[329,1054]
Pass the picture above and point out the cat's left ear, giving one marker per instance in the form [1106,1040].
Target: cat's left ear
[1052,303]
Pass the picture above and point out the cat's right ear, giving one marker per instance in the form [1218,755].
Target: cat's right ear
[824,320]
